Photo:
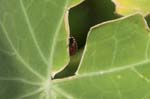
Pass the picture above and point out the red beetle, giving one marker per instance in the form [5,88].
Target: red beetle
[72,46]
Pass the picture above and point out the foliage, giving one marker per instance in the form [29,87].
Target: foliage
[113,57]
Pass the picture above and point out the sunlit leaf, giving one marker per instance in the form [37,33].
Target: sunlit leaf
[125,7]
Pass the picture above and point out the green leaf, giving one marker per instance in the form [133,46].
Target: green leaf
[115,64]
[33,43]
[125,7]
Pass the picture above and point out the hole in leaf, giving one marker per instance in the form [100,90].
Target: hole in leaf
[81,18]
[147,17]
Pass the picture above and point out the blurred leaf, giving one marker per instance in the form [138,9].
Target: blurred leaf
[101,11]
[125,7]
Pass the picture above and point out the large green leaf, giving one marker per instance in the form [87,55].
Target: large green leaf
[115,64]
[33,42]
[125,7]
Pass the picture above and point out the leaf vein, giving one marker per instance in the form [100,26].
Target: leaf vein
[62,92]
[19,56]
[32,33]
[55,38]
[140,75]
[30,94]
[112,70]
[20,80]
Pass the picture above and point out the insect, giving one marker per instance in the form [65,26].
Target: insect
[73,47]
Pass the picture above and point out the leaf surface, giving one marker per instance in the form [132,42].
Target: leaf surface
[115,64]
[33,43]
